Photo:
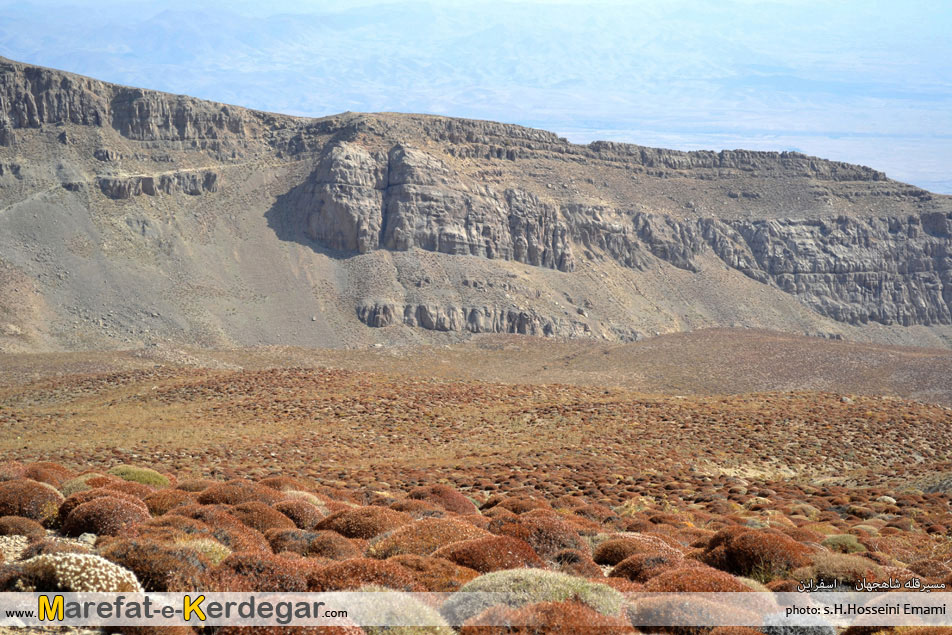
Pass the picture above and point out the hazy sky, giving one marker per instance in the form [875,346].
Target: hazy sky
[863,81]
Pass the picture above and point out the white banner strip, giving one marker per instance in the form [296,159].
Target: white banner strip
[436,609]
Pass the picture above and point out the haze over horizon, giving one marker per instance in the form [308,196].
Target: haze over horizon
[864,82]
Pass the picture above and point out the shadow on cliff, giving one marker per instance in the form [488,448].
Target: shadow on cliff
[288,219]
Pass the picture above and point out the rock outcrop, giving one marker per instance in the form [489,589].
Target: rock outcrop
[192,183]
[358,201]
[474,319]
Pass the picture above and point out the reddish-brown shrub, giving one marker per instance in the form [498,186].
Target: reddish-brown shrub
[927,568]
[546,534]
[285,483]
[596,512]
[163,500]
[330,544]
[85,496]
[239,491]
[303,514]
[227,529]
[446,497]
[290,540]
[577,563]
[30,499]
[641,567]
[759,554]
[358,572]
[270,573]
[261,517]
[546,617]
[155,564]
[104,516]
[491,553]
[614,550]
[417,508]
[45,472]
[436,575]
[11,470]
[364,522]
[47,546]
[138,490]
[522,504]
[423,537]
[20,526]
[196,485]
[698,579]
[677,609]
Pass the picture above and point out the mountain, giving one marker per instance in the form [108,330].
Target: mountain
[130,217]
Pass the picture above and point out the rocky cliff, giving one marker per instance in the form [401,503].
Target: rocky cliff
[241,225]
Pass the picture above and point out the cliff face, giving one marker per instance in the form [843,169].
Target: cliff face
[440,225]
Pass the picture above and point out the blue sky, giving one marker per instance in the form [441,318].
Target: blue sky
[868,82]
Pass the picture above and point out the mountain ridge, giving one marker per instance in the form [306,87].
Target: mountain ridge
[422,226]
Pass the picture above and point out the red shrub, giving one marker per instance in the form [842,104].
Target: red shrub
[30,499]
[641,567]
[546,617]
[303,514]
[927,568]
[330,544]
[423,537]
[596,512]
[364,522]
[47,546]
[357,572]
[577,563]
[491,553]
[20,526]
[155,564]
[104,516]
[446,497]
[45,472]
[163,500]
[436,575]
[285,483]
[762,554]
[614,550]
[270,573]
[239,491]
[138,490]
[85,496]
[227,529]
[418,508]
[290,540]
[522,504]
[196,485]
[261,517]
[546,534]
[698,579]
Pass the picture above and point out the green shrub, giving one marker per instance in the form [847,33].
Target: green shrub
[528,586]
[142,475]
[843,543]
[408,615]
[79,483]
